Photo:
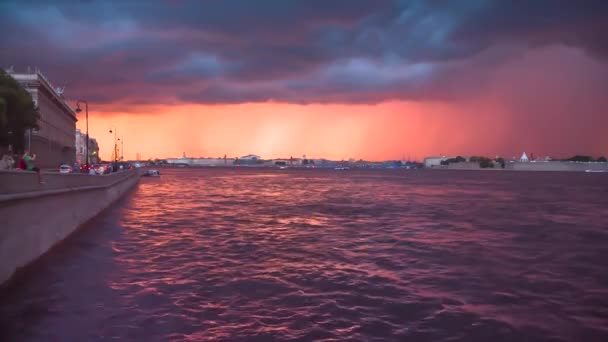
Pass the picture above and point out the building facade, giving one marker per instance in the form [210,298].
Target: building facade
[54,142]
[433,161]
[93,151]
[81,149]
[210,162]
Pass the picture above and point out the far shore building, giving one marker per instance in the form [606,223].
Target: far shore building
[250,159]
[210,162]
[180,161]
[433,161]
[54,143]
[213,162]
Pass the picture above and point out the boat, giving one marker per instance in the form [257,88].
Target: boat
[595,170]
[152,173]
[342,168]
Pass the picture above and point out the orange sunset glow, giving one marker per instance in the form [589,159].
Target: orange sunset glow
[390,130]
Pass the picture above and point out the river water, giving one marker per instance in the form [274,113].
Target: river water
[262,255]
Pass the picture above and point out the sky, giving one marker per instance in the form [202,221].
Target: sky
[327,79]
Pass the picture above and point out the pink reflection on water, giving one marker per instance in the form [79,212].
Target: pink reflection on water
[313,255]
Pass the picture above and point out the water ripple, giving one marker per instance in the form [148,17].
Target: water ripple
[337,256]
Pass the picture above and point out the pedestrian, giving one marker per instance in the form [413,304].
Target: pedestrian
[10,161]
[7,162]
[4,163]
[30,166]
[22,165]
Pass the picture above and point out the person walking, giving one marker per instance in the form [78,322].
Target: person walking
[4,163]
[22,165]
[10,161]
[30,166]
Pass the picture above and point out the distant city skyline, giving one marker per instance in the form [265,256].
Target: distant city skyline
[364,79]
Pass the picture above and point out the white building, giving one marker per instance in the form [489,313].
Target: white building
[212,162]
[54,142]
[524,158]
[182,160]
[201,161]
[433,161]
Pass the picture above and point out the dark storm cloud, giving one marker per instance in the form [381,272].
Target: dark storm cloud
[578,23]
[219,51]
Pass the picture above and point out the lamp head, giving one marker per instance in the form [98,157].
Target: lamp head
[78,110]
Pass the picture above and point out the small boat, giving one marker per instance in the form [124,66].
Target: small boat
[342,168]
[152,173]
[595,170]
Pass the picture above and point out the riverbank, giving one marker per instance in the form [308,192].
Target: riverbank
[561,166]
[36,217]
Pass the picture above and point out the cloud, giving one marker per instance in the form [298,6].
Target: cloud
[345,51]
[579,24]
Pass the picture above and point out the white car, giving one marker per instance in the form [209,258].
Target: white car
[65,168]
[100,169]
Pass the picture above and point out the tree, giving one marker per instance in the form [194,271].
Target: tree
[3,114]
[448,161]
[601,159]
[17,112]
[578,158]
[484,162]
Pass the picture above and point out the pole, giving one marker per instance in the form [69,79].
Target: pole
[115,146]
[86,109]
[122,148]
[115,153]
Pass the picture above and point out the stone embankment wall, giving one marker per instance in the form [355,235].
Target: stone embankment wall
[35,217]
[464,166]
[556,166]
[531,166]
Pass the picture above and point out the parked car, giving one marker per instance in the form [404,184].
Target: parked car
[65,168]
[84,168]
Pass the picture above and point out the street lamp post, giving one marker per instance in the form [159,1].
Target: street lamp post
[78,110]
[115,145]
[122,148]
